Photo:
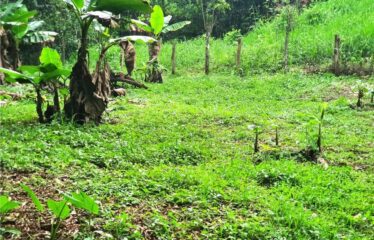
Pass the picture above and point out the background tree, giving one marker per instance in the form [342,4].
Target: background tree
[209,12]
[16,28]
[68,30]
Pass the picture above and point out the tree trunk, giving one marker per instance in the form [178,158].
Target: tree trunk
[39,105]
[336,57]
[207,52]
[173,58]
[88,93]
[286,41]
[154,72]
[122,59]
[13,52]
[56,101]
[4,45]
[238,53]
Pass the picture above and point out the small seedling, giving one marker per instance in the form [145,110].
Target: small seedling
[6,206]
[362,89]
[360,96]
[60,211]
[314,138]
[323,108]
[84,202]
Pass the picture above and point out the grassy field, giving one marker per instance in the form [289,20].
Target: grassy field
[311,42]
[176,161]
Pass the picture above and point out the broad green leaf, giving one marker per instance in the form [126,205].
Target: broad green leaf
[78,3]
[33,197]
[142,25]
[20,15]
[175,27]
[157,19]
[40,37]
[137,39]
[60,209]
[35,25]
[118,6]
[12,74]
[54,75]
[20,31]
[28,69]
[50,56]
[82,201]
[7,205]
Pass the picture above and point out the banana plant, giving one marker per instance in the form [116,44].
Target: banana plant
[48,74]
[16,28]
[89,93]
[158,26]
[61,210]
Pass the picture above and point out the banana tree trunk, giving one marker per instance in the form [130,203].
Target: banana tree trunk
[4,45]
[154,72]
[88,93]
[39,104]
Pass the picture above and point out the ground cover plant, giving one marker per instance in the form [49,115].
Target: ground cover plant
[265,148]
[178,173]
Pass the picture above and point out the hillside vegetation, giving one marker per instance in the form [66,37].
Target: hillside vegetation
[311,41]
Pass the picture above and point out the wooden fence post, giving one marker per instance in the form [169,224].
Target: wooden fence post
[173,58]
[336,57]
[238,53]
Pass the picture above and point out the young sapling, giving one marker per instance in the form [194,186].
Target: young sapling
[256,129]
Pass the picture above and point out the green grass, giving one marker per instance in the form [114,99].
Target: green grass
[177,159]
